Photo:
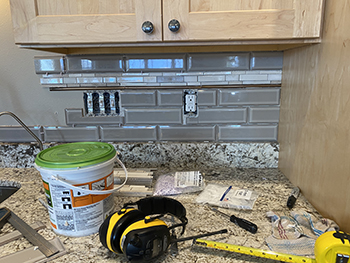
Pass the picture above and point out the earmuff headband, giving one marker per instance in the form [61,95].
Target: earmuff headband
[162,205]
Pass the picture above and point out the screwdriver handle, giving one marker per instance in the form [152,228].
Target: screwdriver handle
[245,224]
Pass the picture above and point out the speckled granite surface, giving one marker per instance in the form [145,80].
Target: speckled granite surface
[183,155]
[271,184]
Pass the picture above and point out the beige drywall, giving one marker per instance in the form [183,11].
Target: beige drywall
[20,87]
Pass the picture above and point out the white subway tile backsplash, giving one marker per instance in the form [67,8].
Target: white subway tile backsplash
[70,80]
[155,74]
[197,73]
[232,77]
[263,96]
[153,116]
[218,61]
[49,65]
[130,84]
[181,133]
[247,133]
[277,77]
[74,75]
[247,113]
[256,82]
[76,117]
[170,97]
[169,84]
[189,79]
[128,133]
[266,60]
[130,79]
[214,83]
[217,72]
[51,81]
[71,134]
[110,80]
[137,74]
[89,80]
[18,134]
[211,78]
[219,115]
[138,98]
[170,74]
[206,97]
[170,79]
[264,114]
[253,77]
[150,79]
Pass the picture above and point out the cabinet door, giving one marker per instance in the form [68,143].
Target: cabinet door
[242,19]
[84,21]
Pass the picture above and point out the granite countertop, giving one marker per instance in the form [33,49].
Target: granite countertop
[273,188]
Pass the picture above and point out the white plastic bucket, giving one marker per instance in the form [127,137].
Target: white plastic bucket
[79,199]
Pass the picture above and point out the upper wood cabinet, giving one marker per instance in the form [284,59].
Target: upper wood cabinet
[42,22]
[84,21]
[243,19]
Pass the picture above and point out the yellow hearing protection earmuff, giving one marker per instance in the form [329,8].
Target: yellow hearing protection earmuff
[136,234]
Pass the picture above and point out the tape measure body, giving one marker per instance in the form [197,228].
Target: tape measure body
[333,246]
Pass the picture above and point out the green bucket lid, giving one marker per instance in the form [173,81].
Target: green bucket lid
[73,155]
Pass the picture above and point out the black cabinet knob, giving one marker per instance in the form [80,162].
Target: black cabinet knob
[174,25]
[147,27]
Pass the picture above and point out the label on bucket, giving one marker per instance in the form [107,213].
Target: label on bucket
[73,213]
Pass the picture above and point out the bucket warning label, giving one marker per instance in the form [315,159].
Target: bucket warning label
[71,210]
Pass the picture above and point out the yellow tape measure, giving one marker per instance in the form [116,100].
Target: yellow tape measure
[330,247]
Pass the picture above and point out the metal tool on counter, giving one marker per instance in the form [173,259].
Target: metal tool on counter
[293,197]
[245,224]
[8,188]
[330,247]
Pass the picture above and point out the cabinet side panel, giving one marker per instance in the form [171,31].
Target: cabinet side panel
[314,118]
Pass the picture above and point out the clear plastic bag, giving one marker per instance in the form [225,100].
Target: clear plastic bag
[179,183]
[227,196]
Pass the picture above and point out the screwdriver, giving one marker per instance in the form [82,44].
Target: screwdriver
[245,224]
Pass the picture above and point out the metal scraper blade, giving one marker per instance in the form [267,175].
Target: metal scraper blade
[32,236]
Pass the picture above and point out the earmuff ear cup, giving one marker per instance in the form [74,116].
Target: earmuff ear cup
[103,231]
[118,228]
[143,241]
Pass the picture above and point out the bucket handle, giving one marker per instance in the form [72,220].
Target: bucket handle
[93,192]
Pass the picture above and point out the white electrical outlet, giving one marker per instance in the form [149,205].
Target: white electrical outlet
[190,103]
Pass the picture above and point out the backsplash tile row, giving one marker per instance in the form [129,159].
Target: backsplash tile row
[163,79]
[224,61]
[160,69]
[217,115]
[175,133]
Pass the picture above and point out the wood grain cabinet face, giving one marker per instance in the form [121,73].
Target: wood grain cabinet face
[84,21]
[120,21]
[243,19]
